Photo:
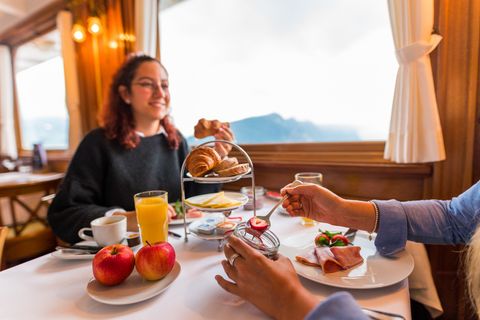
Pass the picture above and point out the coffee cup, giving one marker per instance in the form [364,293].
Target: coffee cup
[106,230]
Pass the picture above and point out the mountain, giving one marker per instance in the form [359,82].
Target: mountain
[272,128]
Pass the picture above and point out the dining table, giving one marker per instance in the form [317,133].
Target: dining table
[52,288]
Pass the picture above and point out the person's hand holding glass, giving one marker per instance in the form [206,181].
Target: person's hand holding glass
[309,177]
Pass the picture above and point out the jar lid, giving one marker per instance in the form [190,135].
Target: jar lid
[267,242]
[259,190]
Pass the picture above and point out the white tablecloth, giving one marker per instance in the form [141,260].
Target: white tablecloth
[49,288]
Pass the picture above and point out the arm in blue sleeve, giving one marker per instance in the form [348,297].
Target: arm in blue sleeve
[340,305]
[427,221]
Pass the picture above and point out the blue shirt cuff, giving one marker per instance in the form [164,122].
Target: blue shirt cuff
[340,305]
[392,227]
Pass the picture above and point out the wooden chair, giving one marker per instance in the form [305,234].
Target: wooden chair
[3,236]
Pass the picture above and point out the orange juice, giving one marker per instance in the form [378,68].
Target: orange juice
[152,217]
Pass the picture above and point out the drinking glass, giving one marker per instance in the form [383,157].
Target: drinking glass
[309,177]
[152,215]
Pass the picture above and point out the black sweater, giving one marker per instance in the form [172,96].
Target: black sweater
[103,175]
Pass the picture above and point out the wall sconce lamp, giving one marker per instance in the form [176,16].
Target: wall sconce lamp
[94,25]
[78,33]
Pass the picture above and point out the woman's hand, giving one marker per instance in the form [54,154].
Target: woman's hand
[224,133]
[273,286]
[132,224]
[171,213]
[312,201]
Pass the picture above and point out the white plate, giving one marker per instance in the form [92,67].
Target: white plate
[70,256]
[376,271]
[235,196]
[214,178]
[134,289]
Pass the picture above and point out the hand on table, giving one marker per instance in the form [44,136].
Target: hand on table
[273,286]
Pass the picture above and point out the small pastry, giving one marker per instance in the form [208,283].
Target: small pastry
[235,170]
[201,161]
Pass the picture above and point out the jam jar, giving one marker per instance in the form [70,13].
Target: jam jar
[259,195]
[267,243]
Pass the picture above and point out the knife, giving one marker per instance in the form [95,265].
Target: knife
[382,315]
[350,234]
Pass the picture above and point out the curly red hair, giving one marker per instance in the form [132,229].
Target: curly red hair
[117,117]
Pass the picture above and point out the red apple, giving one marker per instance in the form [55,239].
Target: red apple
[113,264]
[155,261]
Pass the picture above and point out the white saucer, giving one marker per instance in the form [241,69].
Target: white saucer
[134,289]
[59,254]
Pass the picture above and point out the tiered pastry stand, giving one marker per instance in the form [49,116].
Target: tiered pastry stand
[216,180]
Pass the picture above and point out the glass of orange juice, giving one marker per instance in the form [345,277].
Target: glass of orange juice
[152,215]
[309,177]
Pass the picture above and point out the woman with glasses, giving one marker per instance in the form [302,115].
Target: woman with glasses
[137,149]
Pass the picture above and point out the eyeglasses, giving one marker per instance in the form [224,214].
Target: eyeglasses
[152,86]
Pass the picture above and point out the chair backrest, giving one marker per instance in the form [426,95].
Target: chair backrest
[3,236]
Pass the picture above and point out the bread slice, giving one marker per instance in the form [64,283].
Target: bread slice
[241,168]
[226,163]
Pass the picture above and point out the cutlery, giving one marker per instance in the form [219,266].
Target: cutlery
[382,315]
[350,234]
[174,234]
[90,249]
[69,250]
[266,217]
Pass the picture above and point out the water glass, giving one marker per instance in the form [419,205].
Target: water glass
[309,177]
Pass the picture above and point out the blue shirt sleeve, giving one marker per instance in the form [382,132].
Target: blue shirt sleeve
[428,221]
[340,305]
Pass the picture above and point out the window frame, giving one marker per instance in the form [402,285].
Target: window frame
[37,25]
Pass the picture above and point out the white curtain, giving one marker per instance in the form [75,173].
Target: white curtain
[415,132]
[8,143]
[147,27]
[64,25]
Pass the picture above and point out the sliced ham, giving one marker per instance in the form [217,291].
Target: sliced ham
[348,257]
[308,259]
[332,259]
[327,260]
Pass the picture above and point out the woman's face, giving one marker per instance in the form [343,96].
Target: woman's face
[148,95]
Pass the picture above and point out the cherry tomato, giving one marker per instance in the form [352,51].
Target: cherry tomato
[339,240]
[322,240]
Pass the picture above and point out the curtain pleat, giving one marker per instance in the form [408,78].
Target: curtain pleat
[64,25]
[98,57]
[415,133]
[8,143]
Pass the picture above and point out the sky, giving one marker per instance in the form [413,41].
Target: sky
[327,61]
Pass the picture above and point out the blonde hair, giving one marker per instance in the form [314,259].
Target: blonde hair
[472,270]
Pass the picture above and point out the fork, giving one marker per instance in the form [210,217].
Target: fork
[266,217]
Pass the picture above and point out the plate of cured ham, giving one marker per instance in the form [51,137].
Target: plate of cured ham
[357,266]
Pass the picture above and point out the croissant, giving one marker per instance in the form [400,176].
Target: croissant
[205,128]
[226,163]
[202,160]
[235,170]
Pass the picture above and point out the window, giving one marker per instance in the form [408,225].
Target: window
[41,93]
[281,71]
